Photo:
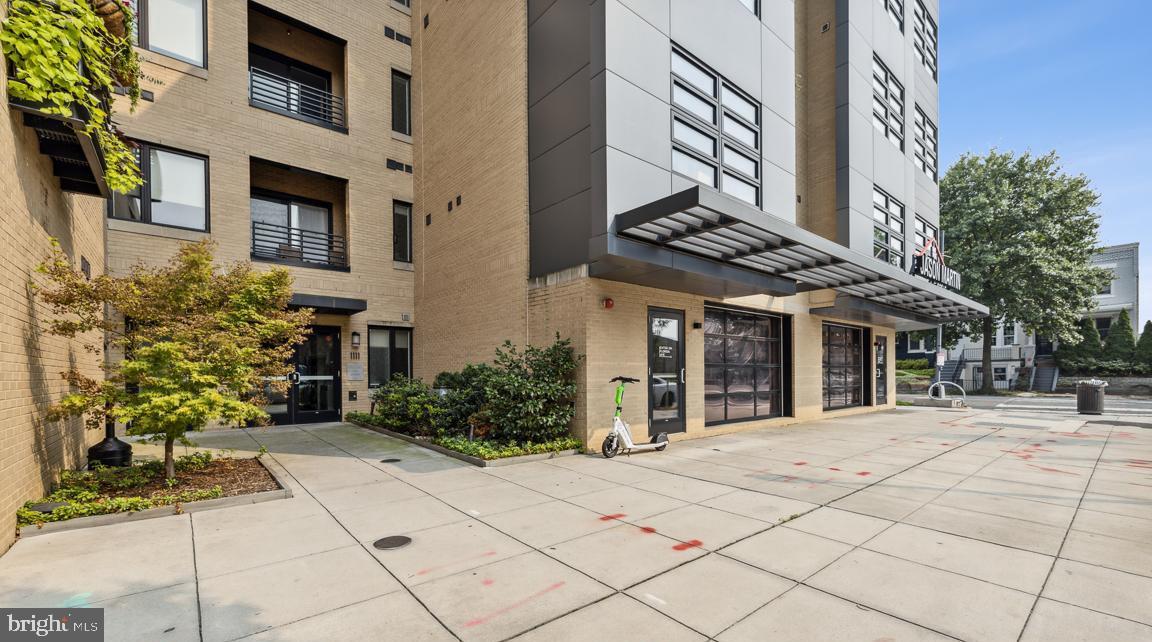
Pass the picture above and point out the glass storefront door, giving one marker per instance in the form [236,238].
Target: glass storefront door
[666,370]
[843,366]
[880,349]
[313,393]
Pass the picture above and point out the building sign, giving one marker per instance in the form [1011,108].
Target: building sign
[928,263]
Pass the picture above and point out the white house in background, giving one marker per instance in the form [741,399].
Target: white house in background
[1013,348]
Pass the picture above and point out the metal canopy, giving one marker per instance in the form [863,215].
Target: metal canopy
[708,224]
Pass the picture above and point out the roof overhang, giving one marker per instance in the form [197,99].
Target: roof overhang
[328,304]
[708,226]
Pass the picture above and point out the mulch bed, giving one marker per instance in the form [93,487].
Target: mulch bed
[233,476]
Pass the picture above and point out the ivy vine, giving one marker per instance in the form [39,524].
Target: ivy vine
[65,61]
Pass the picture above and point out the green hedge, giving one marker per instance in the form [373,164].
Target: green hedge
[912,364]
[1099,368]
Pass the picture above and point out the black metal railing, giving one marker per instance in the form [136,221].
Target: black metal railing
[294,245]
[280,94]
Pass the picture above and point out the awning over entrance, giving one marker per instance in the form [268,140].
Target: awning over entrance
[704,223]
[328,304]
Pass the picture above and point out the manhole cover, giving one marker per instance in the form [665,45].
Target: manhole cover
[390,460]
[393,541]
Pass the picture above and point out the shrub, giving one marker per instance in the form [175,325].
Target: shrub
[530,396]
[462,405]
[1086,349]
[494,450]
[1144,347]
[1108,368]
[912,364]
[406,406]
[1120,344]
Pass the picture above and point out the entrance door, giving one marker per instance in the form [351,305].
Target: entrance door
[1043,346]
[665,371]
[880,349]
[314,388]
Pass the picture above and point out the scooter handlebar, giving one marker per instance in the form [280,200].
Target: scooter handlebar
[624,380]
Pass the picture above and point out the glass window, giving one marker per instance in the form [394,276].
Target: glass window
[695,138]
[693,104]
[887,103]
[743,365]
[401,103]
[926,147]
[693,168]
[924,231]
[895,11]
[718,153]
[925,38]
[175,28]
[690,71]
[888,233]
[174,193]
[389,354]
[401,232]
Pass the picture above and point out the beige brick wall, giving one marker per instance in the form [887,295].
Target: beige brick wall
[206,111]
[471,124]
[33,210]
[816,116]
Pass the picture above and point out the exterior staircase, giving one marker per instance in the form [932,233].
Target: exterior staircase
[953,370]
[1044,375]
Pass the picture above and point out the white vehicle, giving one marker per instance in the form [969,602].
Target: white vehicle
[620,439]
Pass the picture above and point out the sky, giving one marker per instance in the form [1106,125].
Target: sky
[1065,75]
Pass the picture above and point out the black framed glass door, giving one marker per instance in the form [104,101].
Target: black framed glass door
[665,371]
[843,366]
[880,350]
[313,393]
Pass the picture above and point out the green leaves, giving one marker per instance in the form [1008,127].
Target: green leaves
[48,45]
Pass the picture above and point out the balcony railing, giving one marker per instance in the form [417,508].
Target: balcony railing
[297,246]
[1001,353]
[288,97]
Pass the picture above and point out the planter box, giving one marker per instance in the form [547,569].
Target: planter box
[469,459]
[273,467]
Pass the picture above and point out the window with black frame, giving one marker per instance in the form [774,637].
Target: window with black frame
[401,103]
[174,28]
[843,366]
[743,366]
[401,232]
[715,130]
[174,192]
[389,354]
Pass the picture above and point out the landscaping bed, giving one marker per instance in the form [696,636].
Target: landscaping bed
[142,486]
[478,453]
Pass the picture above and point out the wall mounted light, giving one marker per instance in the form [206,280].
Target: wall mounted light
[607,303]
[355,339]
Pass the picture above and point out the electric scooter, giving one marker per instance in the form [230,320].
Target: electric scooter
[621,436]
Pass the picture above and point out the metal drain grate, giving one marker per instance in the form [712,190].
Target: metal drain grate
[391,542]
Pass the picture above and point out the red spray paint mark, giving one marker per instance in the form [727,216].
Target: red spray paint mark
[515,605]
[799,463]
[863,473]
[488,582]
[608,518]
[692,543]
[1054,470]
[432,569]
[647,530]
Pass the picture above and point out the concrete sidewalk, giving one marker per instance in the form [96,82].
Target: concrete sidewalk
[912,524]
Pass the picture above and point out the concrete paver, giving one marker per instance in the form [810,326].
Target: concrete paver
[906,525]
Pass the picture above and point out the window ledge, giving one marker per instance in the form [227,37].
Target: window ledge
[168,62]
[403,265]
[401,137]
[401,8]
[152,229]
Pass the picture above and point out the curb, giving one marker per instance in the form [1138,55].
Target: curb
[468,459]
[273,467]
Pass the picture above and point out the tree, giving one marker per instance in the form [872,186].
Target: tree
[197,343]
[1022,234]
[1144,347]
[1120,344]
[1085,349]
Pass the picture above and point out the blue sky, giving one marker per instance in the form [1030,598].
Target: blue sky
[1067,75]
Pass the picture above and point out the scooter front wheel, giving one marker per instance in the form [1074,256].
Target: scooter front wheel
[661,439]
[611,446]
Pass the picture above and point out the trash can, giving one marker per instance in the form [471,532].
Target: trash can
[1090,397]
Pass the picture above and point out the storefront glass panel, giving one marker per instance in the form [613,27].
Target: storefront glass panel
[743,366]
[843,366]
